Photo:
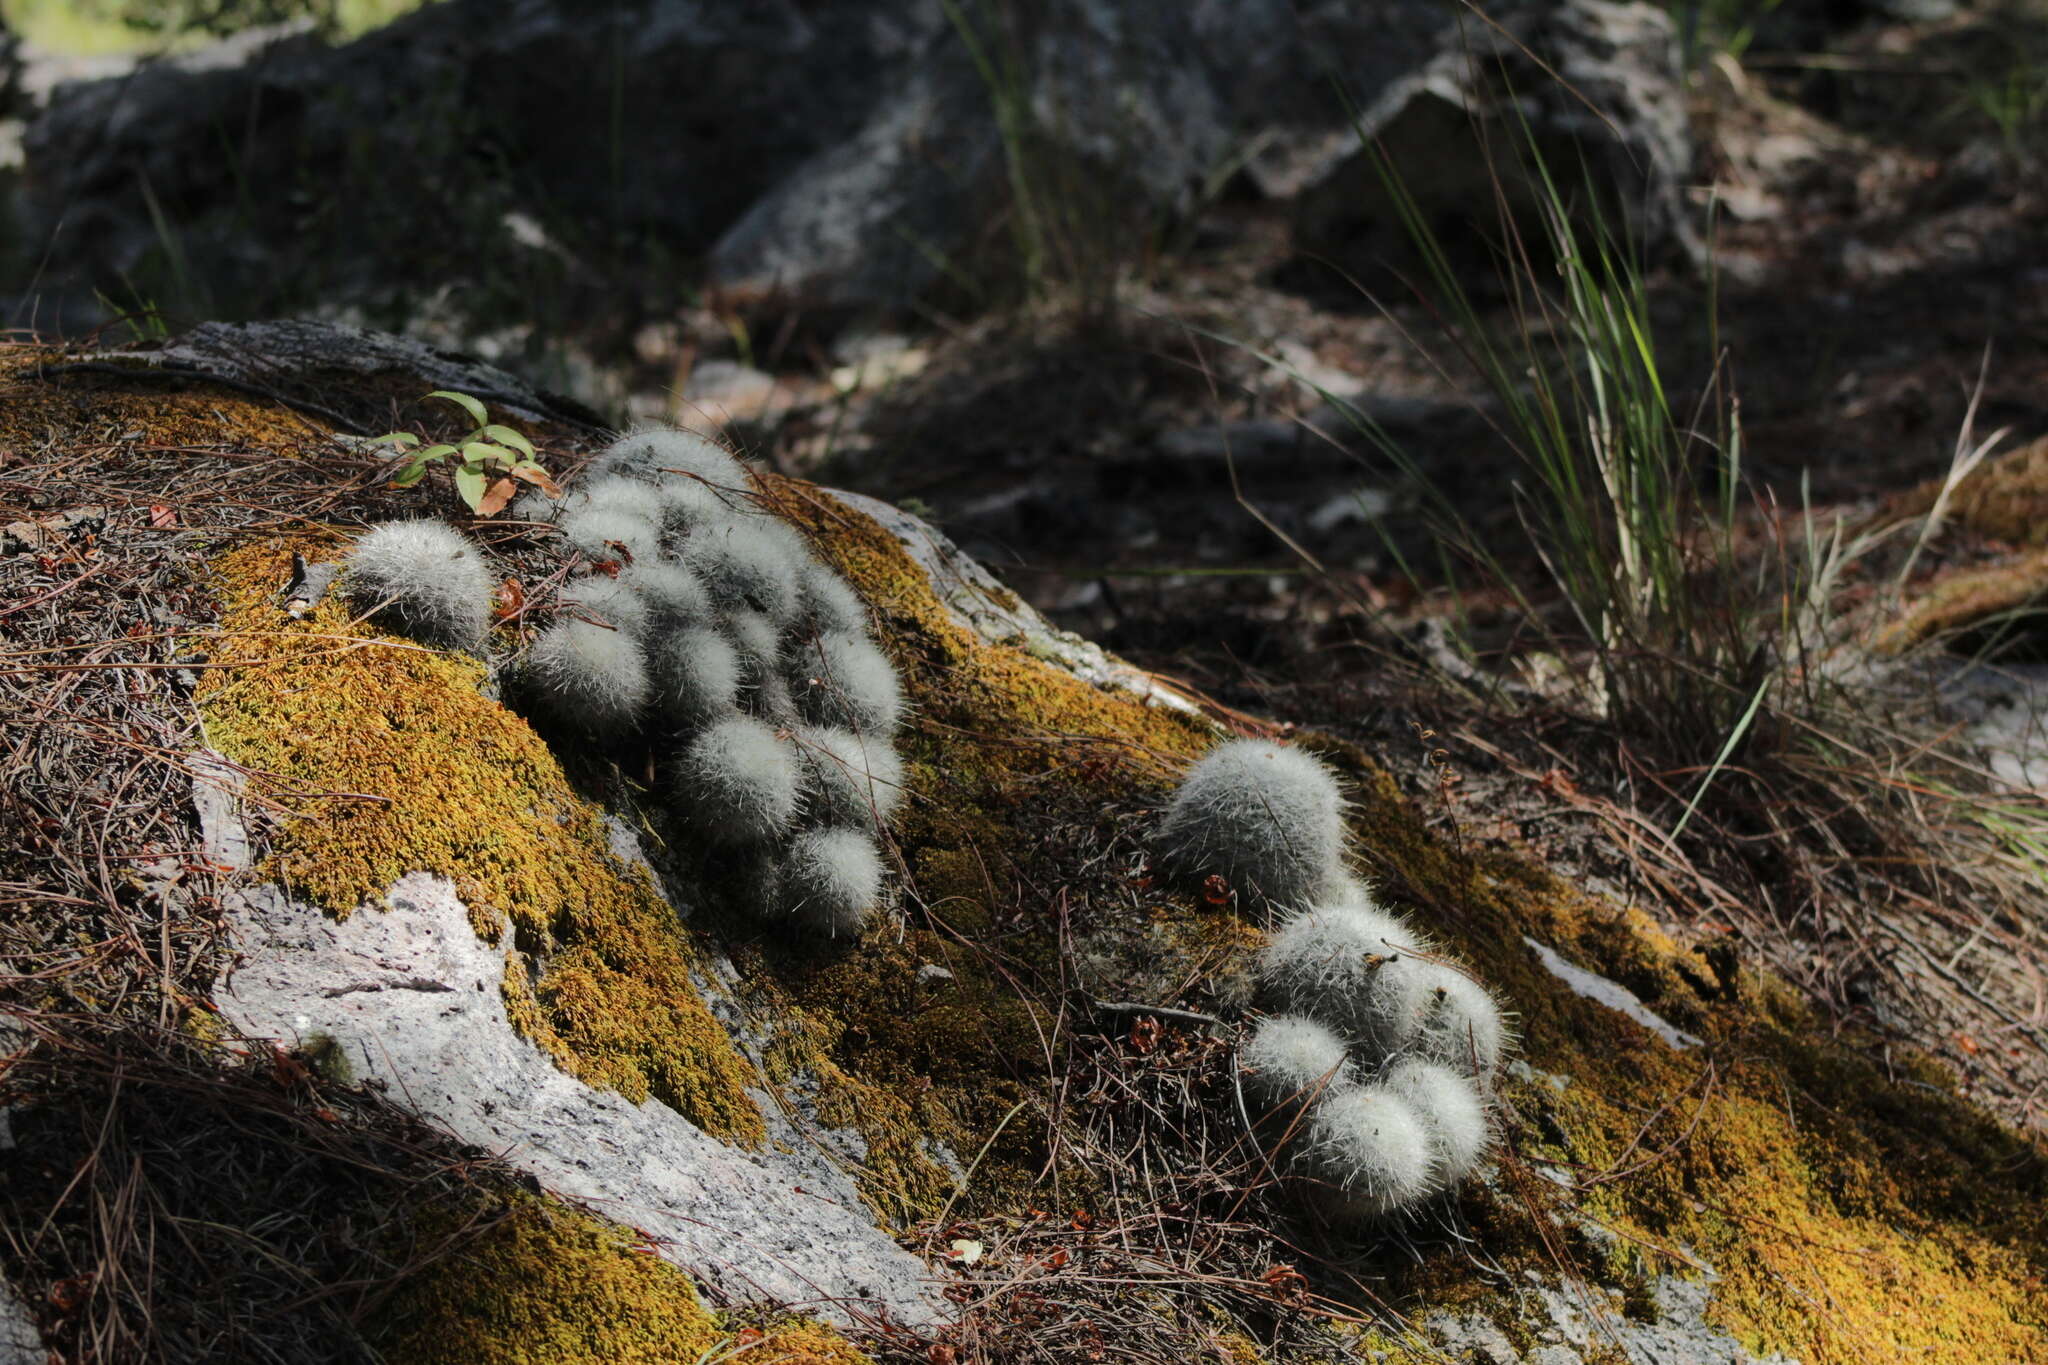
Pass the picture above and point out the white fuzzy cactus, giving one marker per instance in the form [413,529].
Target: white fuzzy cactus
[831,881]
[696,675]
[827,605]
[714,619]
[1421,1030]
[1368,1153]
[1267,819]
[1407,1040]
[738,783]
[618,493]
[660,451]
[606,600]
[423,579]
[673,595]
[590,677]
[842,679]
[689,507]
[1439,1012]
[1451,1109]
[1334,963]
[1293,1062]
[747,566]
[611,533]
[849,780]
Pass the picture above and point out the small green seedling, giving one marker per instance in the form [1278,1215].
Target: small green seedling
[491,461]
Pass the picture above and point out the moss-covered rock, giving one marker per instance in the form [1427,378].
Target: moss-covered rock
[529,1282]
[406,766]
[524,1280]
[1838,1211]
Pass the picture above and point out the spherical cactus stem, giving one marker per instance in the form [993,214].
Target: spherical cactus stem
[1267,819]
[422,579]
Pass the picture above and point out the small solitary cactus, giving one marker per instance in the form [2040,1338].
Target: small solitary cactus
[1269,820]
[423,579]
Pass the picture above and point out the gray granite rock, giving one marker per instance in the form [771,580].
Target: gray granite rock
[20,1343]
[844,156]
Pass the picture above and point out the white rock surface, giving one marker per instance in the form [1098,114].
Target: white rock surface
[412,996]
[1612,994]
[1573,1321]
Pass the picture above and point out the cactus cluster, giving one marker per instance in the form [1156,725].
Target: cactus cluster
[703,625]
[1375,1063]
[1377,1060]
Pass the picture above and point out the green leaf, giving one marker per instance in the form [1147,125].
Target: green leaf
[434,453]
[462,400]
[505,435]
[409,476]
[401,439]
[473,451]
[470,483]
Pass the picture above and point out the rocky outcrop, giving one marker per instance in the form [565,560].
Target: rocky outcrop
[1007,1113]
[410,995]
[846,156]
[1591,86]
[412,145]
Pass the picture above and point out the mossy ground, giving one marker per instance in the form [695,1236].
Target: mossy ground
[1850,1215]
[1025,786]
[2004,499]
[1997,606]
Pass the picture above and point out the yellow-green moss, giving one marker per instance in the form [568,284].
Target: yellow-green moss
[435,777]
[527,1281]
[1848,1217]
[522,1279]
[2002,499]
[81,408]
[1972,598]
[1004,752]
[791,1341]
